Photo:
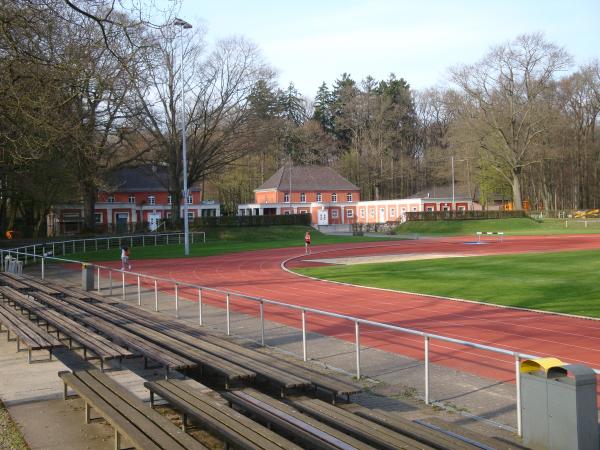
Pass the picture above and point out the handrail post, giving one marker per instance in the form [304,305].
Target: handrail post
[176,301]
[123,278]
[262,323]
[2,261]
[110,281]
[139,289]
[155,296]
[518,385]
[304,335]
[43,267]
[426,357]
[357,345]
[200,307]
[228,311]
[84,246]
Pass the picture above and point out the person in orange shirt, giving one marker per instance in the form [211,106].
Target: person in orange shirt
[307,242]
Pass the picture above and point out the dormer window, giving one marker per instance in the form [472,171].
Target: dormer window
[334,197]
[303,197]
[319,197]
[349,197]
[131,199]
[151,200]
[286,198]
[170,200]
[190,200]
[111,199]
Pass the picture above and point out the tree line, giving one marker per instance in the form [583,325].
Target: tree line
[88,87]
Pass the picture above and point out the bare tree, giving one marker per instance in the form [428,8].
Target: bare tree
[508,87]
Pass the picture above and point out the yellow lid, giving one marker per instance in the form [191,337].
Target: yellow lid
[531,365]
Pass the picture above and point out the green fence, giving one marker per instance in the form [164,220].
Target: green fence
[463,215]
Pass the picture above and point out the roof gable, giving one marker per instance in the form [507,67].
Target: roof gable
[307,178]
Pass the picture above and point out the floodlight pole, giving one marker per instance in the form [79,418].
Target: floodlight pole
[186,228]
[452,208]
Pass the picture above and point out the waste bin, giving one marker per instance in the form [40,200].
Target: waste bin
[558,405]
[87,277]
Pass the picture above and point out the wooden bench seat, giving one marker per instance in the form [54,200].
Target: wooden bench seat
[259,362]
[144,427]
[14,282]
[229,369]
[235,354]
[307,430]
[361,428]
[31,335]
[81,294]
[218,418]
[101,346]
[429,436]
[149,350]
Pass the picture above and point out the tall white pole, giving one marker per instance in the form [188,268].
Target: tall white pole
[186,230]
[452,208]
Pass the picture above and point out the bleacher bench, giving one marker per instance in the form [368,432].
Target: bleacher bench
[144,427]
[89,340]
[308,431]
[234,428]
[26,332]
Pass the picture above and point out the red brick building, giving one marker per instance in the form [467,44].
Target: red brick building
[330,199]
[138,199]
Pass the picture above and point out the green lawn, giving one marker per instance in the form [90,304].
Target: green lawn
[522,226]
[564,282]
[227,240]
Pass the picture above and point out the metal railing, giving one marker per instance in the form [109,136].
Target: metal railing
[55,248]
[358,322]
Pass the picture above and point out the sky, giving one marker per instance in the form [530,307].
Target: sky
[309,42]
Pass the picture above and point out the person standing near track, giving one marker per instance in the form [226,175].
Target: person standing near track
[307,242]
[125,258]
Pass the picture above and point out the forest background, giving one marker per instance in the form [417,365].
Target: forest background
[88,87]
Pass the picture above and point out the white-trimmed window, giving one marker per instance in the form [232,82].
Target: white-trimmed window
[110,199]
[319,197]
[286,213]
[334,213]
[362,212]
[302,197]
[445,208]
[334,197]
[170,199]
[429,209]
[349,197]
[414,209]
[131,199]
[97,217]
[392,212]
[151,200]
[303,211]
[372,212]
[168,216]
[190,199]
[191,215]
[349,213]
[286,198]
[461,208]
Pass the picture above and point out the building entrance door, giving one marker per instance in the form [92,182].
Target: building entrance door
[323,217]
[153,221]
[121,222]
[381,215]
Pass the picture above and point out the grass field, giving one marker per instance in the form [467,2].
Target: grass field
[227,240]
[523,226]
[10,436]
[565,282]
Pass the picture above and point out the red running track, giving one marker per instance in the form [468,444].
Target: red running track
[259,273]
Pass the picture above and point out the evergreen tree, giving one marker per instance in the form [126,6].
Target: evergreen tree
[323,108]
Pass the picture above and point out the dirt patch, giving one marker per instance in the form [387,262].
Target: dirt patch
[385,258]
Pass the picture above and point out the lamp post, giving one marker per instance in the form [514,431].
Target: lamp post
[186,228]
